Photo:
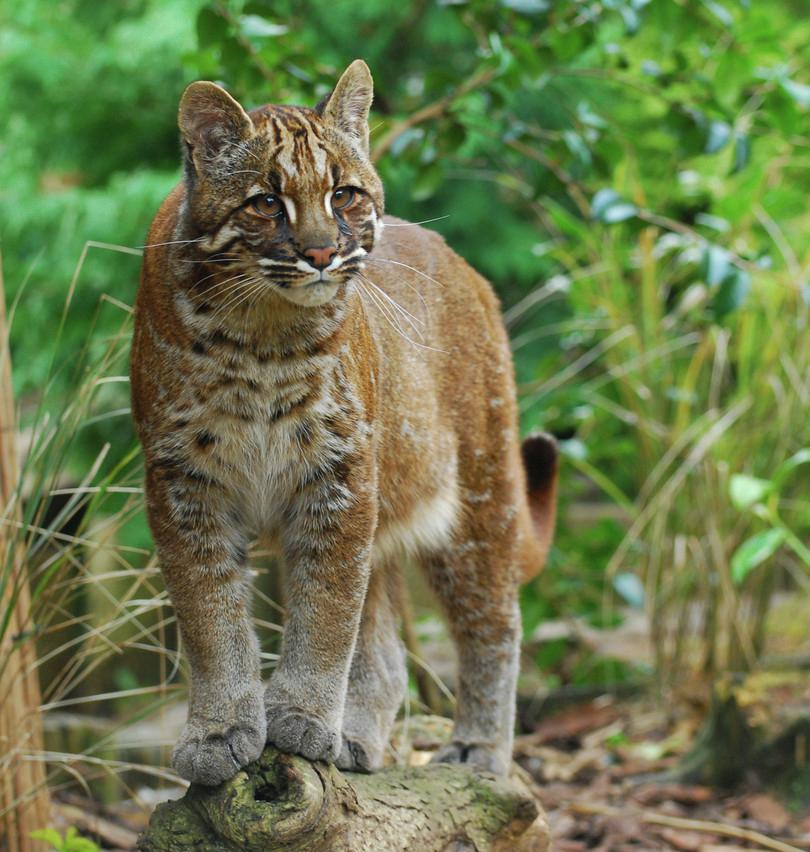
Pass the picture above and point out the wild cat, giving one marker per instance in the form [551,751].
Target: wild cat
[340,384]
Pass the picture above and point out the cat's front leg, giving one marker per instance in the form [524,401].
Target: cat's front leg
[202,558]
[327,546]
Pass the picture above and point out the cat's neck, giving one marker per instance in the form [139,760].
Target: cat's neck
[264,321]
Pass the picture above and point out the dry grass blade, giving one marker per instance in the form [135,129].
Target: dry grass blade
[684,824]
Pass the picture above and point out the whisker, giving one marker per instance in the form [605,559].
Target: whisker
[212,274]
[216,257]
[246,290]
[235,293]
[379,304]
[235,285]
[389,316]
[406,315]
[411,224]
[251,293]
[399,263]
[385,311]
[415,290]
[173,243]
[241,276]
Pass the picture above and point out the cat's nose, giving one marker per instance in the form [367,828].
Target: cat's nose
[320,257]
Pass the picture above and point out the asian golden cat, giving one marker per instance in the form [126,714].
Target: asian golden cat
[338,382]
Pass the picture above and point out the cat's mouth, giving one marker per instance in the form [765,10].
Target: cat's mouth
[318,290]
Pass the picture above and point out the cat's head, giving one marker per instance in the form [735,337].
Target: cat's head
[286,194]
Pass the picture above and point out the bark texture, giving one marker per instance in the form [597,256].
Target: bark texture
[286,802]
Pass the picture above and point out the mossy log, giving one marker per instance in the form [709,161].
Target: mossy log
[286,802]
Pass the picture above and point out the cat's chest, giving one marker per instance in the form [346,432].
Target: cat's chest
[264,428]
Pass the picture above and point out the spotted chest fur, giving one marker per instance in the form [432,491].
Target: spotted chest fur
[307,371]
[258,425]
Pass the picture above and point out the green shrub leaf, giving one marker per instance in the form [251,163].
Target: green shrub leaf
[754,551]
[609,207]
[746,490]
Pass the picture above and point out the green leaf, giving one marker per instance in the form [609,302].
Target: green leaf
[609,207]
[754,551]
[799,92]
[746,490]
[732,293]
[789,465]
[720,12]
[259,27]
[742,151]
[48,835]
[630,588]
[81,844]
[719,134]
[527,7]
[717,264]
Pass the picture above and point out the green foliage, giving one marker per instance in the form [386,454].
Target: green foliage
[71,842]
[631,175]
[761,497]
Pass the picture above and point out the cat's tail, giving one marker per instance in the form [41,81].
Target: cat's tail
[541,461]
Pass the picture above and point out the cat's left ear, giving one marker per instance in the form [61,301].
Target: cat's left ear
[348,105]
[209,119]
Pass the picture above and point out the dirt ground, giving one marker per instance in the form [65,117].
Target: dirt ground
[600,771]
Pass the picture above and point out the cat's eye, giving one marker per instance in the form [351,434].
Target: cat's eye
[343,198]
[268,206]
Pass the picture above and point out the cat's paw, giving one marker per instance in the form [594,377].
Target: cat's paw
[211,751]
[357,756]
[483,756]
[296,731]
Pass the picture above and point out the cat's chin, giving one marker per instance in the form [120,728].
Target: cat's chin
[310,295]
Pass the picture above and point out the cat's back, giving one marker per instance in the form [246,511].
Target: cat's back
[446,366]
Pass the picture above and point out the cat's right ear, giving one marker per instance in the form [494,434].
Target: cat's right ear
[209,119]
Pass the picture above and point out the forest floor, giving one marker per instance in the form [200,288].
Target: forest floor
[602,767]
[599,769]
[601,773]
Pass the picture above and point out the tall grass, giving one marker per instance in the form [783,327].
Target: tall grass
[95,597]
[674,391]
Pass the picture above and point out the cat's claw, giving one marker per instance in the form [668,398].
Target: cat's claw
[296,731]
[356,757]
[210,753]
[476,755]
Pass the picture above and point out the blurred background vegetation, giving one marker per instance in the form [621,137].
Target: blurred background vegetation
[631,175]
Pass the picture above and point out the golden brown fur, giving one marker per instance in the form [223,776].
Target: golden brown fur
[353,413]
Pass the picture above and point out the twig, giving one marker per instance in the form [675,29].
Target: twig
[433,110]
[574,189]
[687,825]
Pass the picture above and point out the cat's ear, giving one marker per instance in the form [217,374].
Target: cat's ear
[209,119]
[348,105]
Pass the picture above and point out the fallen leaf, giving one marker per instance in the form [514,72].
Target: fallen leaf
[684,841]
[571,724]
[686,794]
[764,808]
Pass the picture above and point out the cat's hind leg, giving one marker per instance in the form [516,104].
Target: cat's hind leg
[378,676]
[476,582]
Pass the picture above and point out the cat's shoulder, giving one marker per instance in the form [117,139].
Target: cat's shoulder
[399,234]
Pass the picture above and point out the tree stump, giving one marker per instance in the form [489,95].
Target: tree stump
[757,726]
[285,802]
